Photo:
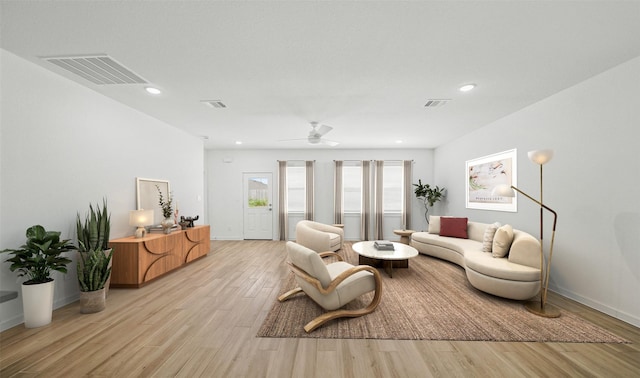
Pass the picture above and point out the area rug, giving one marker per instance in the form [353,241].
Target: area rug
[432,300]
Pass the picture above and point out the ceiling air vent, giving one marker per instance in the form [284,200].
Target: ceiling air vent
[98,69]
[214,104]
[434,103]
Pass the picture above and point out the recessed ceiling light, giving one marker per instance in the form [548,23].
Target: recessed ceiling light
[467,87]
[398,141]
[238,142]
[153,91]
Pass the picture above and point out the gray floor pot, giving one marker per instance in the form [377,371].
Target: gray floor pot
[92,301]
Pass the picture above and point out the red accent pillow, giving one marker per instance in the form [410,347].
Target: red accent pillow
[454,227]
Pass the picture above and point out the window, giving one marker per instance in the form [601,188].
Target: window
[392,197]
[352,188]
[296,176]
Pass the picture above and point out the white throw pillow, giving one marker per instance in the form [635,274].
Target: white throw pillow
[487,239]
[502,241]
[434,224]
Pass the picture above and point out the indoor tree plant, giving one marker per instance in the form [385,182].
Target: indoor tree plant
[428,195]
[94,257]
[41,254]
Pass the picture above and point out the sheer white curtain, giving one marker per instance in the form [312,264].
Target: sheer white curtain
[378,201]
[407,188]
[365,211]
[309,190]
[283,219]
[338,209]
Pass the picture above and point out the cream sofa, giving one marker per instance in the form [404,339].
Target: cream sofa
[515,276]
[319,237]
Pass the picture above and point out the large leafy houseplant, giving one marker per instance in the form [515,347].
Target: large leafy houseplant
[429,195]
[41,254]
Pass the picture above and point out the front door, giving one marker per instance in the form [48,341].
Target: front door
[258,209]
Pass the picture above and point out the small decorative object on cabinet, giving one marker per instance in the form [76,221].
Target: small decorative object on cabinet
[189,220]
[35,259]
[138,261]
[167,211]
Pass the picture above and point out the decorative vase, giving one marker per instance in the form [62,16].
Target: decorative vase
[37,303]
[92,301]
[167,224]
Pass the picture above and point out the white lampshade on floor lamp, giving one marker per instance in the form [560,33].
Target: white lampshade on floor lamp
[541,308]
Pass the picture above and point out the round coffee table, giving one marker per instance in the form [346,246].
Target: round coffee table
[398,258]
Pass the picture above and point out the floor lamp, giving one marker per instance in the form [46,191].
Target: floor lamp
[539,308]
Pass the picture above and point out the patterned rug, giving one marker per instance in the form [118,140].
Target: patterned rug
[432,300]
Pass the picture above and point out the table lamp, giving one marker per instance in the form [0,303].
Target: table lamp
[140,219]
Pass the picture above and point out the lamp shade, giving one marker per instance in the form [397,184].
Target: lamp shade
[141,218]
[503,191]
[540,156]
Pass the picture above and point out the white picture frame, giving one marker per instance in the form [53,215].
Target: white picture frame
[483,174]
[147,196]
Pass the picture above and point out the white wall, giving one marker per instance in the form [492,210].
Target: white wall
[224,183]
[592,182]
[64,146]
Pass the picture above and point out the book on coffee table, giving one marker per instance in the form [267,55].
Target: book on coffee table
[383,245]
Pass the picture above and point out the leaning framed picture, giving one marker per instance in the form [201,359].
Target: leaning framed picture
[485,173]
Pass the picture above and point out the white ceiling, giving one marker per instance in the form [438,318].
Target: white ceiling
[365,68]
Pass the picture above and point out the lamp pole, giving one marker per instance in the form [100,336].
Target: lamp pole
[542,308]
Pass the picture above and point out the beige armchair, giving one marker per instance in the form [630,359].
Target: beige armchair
[331,286]
[319,236]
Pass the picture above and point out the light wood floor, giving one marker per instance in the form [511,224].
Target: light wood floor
[202,321]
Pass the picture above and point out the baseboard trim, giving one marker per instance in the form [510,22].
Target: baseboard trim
[621,315]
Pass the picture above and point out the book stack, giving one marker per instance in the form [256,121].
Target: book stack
[383,245]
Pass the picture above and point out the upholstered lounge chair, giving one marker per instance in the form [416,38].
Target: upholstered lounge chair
[333,285]
[319,236]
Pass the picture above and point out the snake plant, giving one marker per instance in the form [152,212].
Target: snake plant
[94,269]
[93,234]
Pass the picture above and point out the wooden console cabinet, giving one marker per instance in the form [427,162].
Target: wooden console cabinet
[138,261]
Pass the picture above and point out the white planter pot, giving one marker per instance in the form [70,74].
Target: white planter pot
[37,304]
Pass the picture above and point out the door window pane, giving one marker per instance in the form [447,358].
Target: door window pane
[258,192]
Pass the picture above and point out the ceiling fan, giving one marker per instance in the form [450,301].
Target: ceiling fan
[316,134]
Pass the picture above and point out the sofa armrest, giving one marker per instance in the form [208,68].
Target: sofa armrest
[525,250]
[329,228]
[316,236]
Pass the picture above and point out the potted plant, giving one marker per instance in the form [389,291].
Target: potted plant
[93,240]
[428,195]
[41,254]
[94,269]
[167,211]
